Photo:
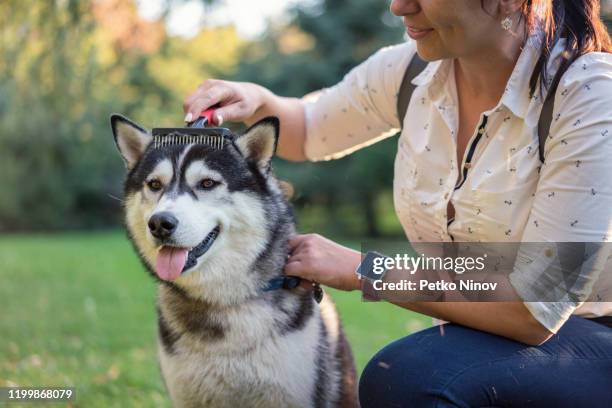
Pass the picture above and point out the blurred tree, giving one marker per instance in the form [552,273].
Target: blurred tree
[65,66]
[45,67]
[320,45]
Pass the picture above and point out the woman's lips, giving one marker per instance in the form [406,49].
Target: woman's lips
[417,33]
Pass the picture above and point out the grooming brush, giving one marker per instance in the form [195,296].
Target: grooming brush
[196,132]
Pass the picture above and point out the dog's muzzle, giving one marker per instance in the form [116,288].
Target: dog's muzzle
[173,260]
[162,225]
[201,249]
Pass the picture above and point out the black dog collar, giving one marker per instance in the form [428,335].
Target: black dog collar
[292,282]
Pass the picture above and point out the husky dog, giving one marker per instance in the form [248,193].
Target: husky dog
[212,226]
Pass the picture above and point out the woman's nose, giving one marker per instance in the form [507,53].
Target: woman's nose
[404,7]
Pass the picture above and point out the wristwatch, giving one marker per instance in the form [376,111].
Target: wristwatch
[369,270]
[372,266]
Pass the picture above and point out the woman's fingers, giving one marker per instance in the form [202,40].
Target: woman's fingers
[214,96]
[294,241]
[293,268]
[297,268]
[197,106]
[318,259]
[234,112]
[238,101]
[298,241]
[200,91]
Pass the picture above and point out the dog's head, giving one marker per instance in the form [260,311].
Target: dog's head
[200,216]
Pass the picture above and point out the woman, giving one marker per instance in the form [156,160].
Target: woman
[467,169]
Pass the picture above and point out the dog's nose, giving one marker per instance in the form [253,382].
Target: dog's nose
[162,224]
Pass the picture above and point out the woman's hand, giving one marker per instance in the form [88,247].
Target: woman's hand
[247,102]
[238,100]
[318,259]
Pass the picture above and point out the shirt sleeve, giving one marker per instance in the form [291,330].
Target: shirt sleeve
[573,199]
[360,109]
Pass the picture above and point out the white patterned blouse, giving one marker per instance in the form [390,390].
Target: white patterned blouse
[499,191]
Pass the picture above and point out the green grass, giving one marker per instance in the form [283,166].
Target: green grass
[78,310]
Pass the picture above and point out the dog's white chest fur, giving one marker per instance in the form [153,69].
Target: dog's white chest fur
[273,371]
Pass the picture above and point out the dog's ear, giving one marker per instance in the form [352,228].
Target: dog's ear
[258,143]
[131,139]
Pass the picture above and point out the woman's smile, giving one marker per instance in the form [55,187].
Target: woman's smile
[417,33]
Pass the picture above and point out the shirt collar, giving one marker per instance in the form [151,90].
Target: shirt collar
[516,95]
[434,76]
[429,73]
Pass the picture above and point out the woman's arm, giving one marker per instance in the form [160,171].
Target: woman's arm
[356,112]
[318,259]
[247,102]
[572,205]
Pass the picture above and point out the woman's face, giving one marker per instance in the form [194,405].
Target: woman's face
[450,28]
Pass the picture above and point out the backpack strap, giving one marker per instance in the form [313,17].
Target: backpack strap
[545,121]
[416,66]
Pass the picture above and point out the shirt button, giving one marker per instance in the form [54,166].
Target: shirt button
[468,165]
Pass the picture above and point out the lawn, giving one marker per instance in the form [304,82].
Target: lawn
[78,310]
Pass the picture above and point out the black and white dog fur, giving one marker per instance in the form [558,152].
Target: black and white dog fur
[212,226]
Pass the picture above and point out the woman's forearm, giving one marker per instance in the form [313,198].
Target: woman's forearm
[507,316]
[319,259]
[290,112]
[508,319]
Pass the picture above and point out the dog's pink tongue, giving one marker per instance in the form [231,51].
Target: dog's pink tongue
[170,262]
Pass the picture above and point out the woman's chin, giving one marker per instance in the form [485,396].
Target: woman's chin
[430,53]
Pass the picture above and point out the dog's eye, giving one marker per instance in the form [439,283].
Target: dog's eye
[207,183]
[154,185]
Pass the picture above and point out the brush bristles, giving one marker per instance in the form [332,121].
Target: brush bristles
[172,139]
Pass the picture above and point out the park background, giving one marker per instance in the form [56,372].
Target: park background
[77,307]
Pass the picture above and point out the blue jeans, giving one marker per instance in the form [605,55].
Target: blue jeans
[469,368]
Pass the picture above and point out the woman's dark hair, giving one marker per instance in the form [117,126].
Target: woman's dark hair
[578,21]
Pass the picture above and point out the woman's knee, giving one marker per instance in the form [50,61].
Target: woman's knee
[395,375]
[372,379]
[375,385]
[416,369]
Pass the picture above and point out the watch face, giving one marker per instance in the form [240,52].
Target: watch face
[372,266]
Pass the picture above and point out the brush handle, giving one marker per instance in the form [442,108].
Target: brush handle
[205,119]
[209,114]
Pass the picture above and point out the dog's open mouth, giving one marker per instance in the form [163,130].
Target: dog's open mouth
[172,261]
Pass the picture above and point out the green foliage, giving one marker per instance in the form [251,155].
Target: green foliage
[66,66]
[68,321]
[342,34]
[50,158]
